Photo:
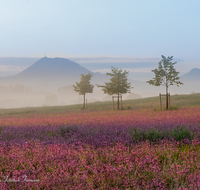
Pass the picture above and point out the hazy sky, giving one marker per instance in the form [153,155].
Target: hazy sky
[101,28]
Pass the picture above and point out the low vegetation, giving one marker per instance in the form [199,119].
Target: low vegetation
[164,166]
[64,147]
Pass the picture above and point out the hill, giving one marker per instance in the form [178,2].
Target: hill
[193,75]
[50,73]
[53,67]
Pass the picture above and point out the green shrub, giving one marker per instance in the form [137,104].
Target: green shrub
[157,109]
[1,128]
[134,133]
[51,134]
[129,107]
[172,107]
[67,129]
[180,133]
[153,135]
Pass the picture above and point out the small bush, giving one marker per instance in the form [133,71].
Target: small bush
[51,134]
[1,128]
[129,107]
[180,133]
[134,133]
[66,129]
[174,107]
[153,135]
[157,109]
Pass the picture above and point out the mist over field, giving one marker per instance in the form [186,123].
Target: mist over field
[49,82]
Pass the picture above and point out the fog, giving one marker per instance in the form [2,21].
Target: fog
[49,82]
[16,95]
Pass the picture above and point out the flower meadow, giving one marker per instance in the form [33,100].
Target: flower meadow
[129,149]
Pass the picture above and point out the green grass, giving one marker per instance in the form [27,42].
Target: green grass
[177,102]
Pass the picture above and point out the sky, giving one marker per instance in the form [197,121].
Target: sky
[129,34]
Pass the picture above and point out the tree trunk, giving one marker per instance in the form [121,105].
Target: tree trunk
[118,102]
[166,94]
[121,103]
[166,101]
[113,102]
[84,101]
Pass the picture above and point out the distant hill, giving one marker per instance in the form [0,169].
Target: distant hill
[194,74]
[190,81]
[51,73]
[53,67]
[48,74]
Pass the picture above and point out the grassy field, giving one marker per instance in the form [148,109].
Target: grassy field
[177,102]
[64,147]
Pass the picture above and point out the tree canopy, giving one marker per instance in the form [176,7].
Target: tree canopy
[166,74]
[118,83]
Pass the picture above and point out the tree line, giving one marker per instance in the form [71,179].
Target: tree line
[15,89]
[165,75]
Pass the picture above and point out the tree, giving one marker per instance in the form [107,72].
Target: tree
[84,86]
[165,75]
[118,83]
